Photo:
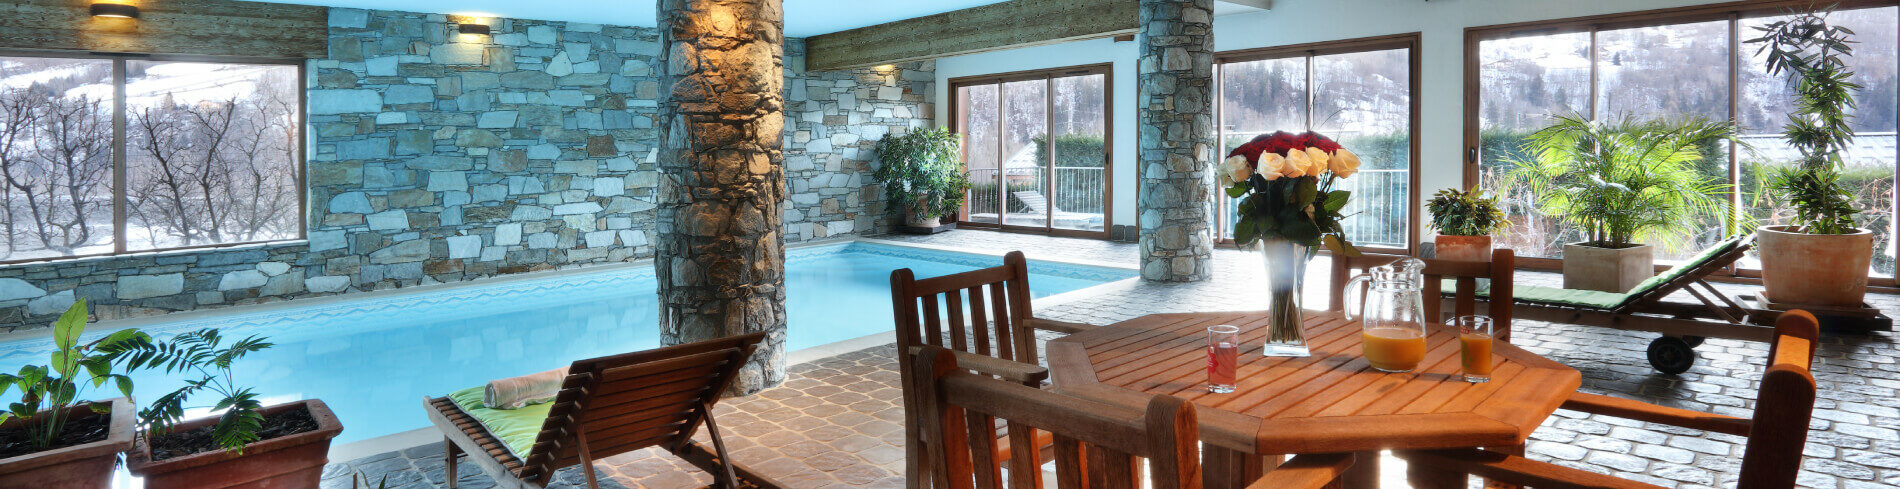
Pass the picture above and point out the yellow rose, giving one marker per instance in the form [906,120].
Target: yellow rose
[1297,164]
[1234,169]
[1344,163]
[1318,159]
[1272,166]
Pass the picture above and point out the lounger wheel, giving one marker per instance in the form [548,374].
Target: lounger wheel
[1693,341]
[1671,355]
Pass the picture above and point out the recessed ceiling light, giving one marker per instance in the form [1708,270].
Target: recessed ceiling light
[477,29]
[117,10]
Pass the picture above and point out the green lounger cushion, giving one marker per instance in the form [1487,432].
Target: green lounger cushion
[1608,300]
[516,428]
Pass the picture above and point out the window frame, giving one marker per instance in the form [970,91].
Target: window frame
[1733,13]
[1048,75]
[119,142]
[1411,42]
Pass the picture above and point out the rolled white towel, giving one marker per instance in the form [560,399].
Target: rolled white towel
[515,392]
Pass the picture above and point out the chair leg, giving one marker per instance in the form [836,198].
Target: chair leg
[917,469]
[719,444]
[450,451]
[587,456]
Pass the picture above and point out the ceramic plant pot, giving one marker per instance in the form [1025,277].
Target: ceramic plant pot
[1814,269]
[294,460]
[1462,248]
[84,466]
[1607,269]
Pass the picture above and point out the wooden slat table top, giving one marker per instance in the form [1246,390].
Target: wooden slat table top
[1332,401]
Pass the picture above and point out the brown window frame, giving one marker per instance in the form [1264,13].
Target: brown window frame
[1048,75]
[1731,12]
[119,147]
[1411,42]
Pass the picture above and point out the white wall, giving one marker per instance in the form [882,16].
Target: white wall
[1441,24]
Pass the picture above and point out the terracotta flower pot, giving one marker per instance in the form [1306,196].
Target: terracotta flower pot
[911,219]
[286,461]
[85,466]
[1607,269]
[1462,248]
[1814,269]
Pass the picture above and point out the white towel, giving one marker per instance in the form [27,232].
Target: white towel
[515,392]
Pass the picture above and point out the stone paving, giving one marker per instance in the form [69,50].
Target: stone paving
[836,421]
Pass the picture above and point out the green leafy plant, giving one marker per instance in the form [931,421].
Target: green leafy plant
[1466,213]
[202,352]
[46,391]
[922,172]
[1813,55]
[1625,180]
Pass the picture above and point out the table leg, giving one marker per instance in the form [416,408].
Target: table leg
[1364,473]
[1423,476]
[1517,450]
[1226,468]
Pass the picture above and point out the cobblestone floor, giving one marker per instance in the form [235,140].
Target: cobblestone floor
[836,421]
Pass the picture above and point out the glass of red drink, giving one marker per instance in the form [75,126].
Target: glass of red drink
[1223,357]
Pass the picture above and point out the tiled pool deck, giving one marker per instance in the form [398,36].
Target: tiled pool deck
[836,421]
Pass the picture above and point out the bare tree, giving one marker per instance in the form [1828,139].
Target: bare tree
[75,146]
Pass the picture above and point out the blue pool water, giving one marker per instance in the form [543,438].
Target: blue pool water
[372,360]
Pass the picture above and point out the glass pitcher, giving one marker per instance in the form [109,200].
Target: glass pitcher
[1392,310]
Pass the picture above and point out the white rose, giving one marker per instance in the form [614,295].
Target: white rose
[1272,166]
[1344,163]
[1318,159]
[1234,169]
[1297,164]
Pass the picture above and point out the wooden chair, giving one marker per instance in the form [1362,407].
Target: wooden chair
[1096,444]
[996,335]
[612,405]
[1772,459]
[1463,274]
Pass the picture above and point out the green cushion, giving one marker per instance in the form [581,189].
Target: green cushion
[516,428]
[1684,268]
[1572,297]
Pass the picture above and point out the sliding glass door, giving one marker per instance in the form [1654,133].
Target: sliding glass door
[1035,146]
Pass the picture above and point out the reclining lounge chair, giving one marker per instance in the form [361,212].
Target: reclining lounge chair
[607,406]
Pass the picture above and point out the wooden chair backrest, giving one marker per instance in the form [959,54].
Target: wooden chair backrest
[1783,407]
[1465,275]
[1095,444]
[987,310]
[636,400]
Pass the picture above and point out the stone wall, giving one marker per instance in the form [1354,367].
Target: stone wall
[438,157]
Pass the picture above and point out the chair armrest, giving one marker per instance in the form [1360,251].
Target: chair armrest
[1642,411]
[1018,372]
[1305,471]
[1516,470]
[1063,327]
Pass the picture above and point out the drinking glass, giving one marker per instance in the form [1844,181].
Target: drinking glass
[1474,332]
[1223,357]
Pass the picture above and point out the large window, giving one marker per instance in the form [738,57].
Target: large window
[1675,64]
[102,156]
[1036,146]
[1358,92]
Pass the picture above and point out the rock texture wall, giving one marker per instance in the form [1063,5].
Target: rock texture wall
[437,157]
[721,262]
[1176,130]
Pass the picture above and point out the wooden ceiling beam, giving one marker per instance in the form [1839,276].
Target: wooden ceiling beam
[993,27]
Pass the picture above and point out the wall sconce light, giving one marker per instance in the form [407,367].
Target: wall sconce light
[116,10]
[475,29]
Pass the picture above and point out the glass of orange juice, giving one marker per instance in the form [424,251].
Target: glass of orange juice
[1474,333]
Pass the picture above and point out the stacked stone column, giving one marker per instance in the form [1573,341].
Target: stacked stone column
[1176,124]
[720,255]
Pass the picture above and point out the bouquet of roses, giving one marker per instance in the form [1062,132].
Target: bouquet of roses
[1285,185]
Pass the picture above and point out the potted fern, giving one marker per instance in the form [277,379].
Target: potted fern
[922,174]
[1465,221]
[50,438]
[1622,183]
[1821,258]
[246,445]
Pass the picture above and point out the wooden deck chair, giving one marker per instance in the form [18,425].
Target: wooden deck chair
[1776,435]
[1463,276]
[1039,204]
[1096,444]
[608,406]
[985,316]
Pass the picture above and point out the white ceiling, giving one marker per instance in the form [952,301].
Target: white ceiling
[803,18]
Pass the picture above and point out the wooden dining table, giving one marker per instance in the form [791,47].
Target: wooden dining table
[1329,402]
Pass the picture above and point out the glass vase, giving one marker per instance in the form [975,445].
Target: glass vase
[1286,272]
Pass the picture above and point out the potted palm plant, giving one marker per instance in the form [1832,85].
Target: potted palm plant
[1821,258]
[1465,221]
[246,445]
[50,438]
[922,174]
[1620,184]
